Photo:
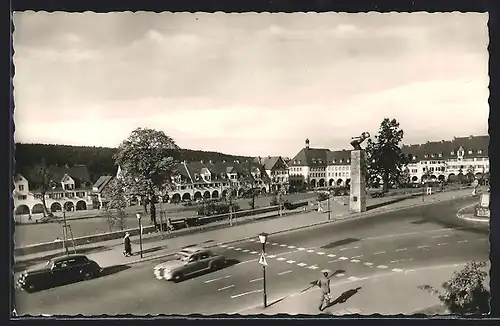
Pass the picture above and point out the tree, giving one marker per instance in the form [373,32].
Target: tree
[42,177]
[384,155]
[471,169]
[404,177]
[465,292]
[115,194]
[146,165]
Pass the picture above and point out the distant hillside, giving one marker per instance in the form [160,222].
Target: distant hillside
[99,160]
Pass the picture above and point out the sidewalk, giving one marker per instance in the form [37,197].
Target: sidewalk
[366,296]
[112,252]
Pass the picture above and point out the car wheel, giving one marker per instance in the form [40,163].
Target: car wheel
[87,275]
[178,277]
[214,266]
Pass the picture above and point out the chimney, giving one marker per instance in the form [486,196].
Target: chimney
[307,143]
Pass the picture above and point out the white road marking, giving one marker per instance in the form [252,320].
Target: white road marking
[357,256]
[422,247]
[436,237]
[301,264]
[353,278]
[462,241]
[382,266]
[320,253]
[442,244]
[302,248]
[223,246]
[355,260]
[397,270]
[393,261]
[230,247]
[290,261]
[245,293]
[225,288]
[254,252]
[401,249]
[285,272]
[283,245]
[218,279]
[281,258]
[343,258]
[368,264]
[256,279]
[271,256]
[291,247]
[332,255]
[334,261]
[246,250]
[379,253]
[340,274]
[237,249]
[274,244]
[313,267]
[348,248]
[310,250]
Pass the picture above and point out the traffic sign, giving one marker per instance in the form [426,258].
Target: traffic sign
[262,260]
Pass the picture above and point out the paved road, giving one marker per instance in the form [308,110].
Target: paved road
[393,242]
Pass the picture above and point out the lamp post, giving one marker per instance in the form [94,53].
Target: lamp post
[263,239]
[329,211]
[140,232]
[65,230]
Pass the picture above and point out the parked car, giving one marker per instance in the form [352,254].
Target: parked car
[59,271]
[189,261]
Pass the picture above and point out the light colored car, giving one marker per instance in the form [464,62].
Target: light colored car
[189,261]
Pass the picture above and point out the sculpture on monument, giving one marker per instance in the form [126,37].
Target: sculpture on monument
[357,198]
[356,141]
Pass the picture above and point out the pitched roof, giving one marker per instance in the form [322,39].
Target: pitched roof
[79,172]
[342,157]
[477,145]
[270,161]
[310,157]
[102,182]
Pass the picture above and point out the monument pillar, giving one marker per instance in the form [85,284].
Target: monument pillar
[357,198]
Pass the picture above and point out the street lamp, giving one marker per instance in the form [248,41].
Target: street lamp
[140,232]
[263,240]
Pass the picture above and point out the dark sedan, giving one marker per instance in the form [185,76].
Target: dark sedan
[59,271]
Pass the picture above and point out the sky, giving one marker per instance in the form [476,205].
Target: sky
[248,84]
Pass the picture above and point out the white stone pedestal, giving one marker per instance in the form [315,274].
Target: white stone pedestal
[357,199]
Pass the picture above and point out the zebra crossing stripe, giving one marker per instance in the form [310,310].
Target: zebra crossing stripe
[291,247]
[283,245]
[281,258]
[397,270]
[340,274]
[254,252]
[310,250]
[237,249]
[343,258]
[313,267]
[223,246]
[368,264]
[382,266]
[290,261]
[246,250]
[302,248]
[355,260]
[320,253]
[332,255]
[271,256]
[301,264]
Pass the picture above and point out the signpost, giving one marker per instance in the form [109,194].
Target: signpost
[483,210]
[263,262]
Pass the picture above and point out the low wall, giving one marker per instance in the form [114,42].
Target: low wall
[48,246]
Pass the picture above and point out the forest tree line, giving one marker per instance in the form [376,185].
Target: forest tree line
[99,160]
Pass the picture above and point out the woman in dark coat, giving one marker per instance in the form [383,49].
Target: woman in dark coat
[128,245]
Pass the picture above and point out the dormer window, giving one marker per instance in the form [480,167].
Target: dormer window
[341,160]
[348,160]
[470,152]
[334,161]
[440,155]
[452,153]
[432,155]
[425,156]
[479,151]
[414,158]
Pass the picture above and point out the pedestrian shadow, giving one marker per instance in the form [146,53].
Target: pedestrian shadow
[344,297]
[113,270]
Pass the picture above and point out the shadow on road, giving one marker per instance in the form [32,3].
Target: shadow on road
[389,202]
[339,243]
[23,265]
[113,270]
[344,297]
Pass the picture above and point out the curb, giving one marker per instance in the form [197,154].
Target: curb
[471,219]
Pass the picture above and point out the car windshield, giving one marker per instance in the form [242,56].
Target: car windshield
[183,256]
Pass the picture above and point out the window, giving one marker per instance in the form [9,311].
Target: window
[21,187]
[452,153]
[470,152]
[440,155]
[22,197]
[204,255]
[425,155]
[479,151]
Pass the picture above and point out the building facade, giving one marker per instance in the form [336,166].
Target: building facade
[277,170]
[462,157]
[69,189]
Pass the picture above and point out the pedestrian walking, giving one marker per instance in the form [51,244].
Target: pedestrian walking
[324,284]
[128,245]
